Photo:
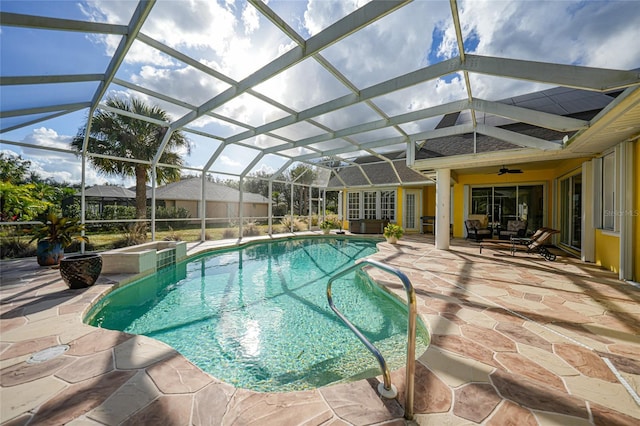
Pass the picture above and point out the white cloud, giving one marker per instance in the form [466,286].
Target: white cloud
[229,162]
[322,13]
[60,166]
[250,19]
[264,168]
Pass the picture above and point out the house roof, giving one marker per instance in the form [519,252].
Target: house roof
[108,191]
[190,189]
[377,173]
[560,101]
[566,102]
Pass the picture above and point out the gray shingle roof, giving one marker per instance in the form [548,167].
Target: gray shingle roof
[190,189]
[563,101]
[108,191]
[380,173]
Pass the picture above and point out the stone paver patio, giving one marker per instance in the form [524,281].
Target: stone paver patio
[515,340]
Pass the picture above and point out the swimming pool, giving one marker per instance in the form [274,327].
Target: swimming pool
[257,317]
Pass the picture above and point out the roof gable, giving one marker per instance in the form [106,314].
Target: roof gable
[191,189]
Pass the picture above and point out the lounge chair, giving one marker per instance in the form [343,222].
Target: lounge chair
[534,244]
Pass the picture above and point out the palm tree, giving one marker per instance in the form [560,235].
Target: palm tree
[117,135]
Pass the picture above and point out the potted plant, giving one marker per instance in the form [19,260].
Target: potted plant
[326,226]
[393,233]
[54,235]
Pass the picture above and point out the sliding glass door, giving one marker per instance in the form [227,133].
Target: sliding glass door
[504,203]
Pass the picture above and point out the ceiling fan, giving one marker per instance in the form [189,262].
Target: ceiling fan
[504,170]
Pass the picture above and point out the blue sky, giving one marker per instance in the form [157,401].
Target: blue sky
[233,38]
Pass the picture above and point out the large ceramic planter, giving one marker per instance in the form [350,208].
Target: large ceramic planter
[49,254]
[81,271]
[392,239]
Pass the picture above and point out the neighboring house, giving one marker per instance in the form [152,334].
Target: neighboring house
[222,201]
[99,196]
[589,189]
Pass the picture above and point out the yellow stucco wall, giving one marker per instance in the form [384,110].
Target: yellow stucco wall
[429,200]
[607,250]
[400,204]
[530,177]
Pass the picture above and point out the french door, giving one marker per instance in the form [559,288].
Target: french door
[571,211]
[411,210]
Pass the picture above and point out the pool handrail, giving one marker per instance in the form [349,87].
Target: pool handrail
[387,390]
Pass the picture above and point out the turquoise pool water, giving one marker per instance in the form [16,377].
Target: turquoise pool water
[258,317]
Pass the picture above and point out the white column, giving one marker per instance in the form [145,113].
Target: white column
[203,207]
[625,210]
[270,213]
[443,201]
[154,183]
[588,230]
[240,209]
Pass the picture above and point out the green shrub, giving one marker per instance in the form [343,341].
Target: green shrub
[230,233]
[298,224]
[14,247]
[172,213]
[251,229]
[132,236]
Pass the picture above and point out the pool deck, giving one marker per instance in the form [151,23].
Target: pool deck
[515,340]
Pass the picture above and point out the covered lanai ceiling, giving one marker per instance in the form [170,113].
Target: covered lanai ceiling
[261,85]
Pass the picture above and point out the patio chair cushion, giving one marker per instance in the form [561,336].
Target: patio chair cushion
[515,228]
[482,218]
[473,224]
[475,229]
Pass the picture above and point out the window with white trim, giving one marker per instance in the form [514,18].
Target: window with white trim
[388,205]
[369,204]
[353,205]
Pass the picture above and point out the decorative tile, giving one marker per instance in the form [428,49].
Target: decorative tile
[210,404]
[475,401]
[585,361]
[463,346]
[286,409]
[537,396]
[99,339]
[453,369]
[141,352]
[520,365]
[489,338]
[522,335]
[166,410]
[86,367]
[177,375]
[76,400]
[133,396]
[26,397]
[359,402]
[25,372]
[431,395]
[606,416]
[28,347]
[510,413]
